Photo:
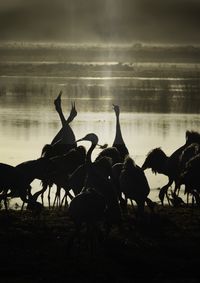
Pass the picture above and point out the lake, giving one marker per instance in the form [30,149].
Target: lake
[156,110]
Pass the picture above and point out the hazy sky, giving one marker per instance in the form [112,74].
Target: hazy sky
[160,21]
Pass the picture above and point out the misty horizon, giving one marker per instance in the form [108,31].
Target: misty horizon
[63,45]
[106,21]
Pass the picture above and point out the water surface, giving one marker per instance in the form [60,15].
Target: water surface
[155,112]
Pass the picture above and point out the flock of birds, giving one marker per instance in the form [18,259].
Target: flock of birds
[102,187]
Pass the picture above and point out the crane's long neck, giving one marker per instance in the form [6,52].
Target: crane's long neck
[66,133]
[89,153]
[162,166]
[118,135]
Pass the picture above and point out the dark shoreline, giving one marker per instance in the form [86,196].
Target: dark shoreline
[164,247]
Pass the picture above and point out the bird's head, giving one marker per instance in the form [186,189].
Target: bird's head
[57,101]
[154,160]
[116,109]
[90,137]
[93,139]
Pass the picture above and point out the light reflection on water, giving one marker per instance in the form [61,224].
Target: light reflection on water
[148,120]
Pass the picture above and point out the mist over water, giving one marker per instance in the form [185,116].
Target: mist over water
[174,21]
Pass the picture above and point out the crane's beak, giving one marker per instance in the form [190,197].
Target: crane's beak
[143,167]
[103,146]
[80,140]
[59,96]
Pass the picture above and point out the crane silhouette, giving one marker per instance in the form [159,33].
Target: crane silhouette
[190,172]
[65,139]
[98,199]
[41,169]
[119,141]
[14,184]
[160,163]
[61,144]
[134,184]
[118,151]
[65,135]
[61,167]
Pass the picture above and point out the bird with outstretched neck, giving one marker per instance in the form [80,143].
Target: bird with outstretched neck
[63,142]
[66,134]
[65,139]
[119,141]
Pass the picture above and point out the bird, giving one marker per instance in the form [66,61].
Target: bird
[191,177]
[118,140]
[96,175]
[65,139]
[188,154]
[13,184]
[63,166]
[107,157]
[160,163]
[98,199]
[111,152]
[62,143]
[117,152]
[133,183]
[116,171]
[41,168]
[76,180]
[38,168]
[65,135]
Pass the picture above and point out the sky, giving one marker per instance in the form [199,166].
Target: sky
[115,21]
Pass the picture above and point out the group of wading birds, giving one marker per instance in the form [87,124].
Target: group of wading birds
[102,187]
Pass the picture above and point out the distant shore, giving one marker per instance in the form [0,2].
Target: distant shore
[136,52]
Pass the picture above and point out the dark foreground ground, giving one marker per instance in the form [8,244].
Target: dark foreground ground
[164,247]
